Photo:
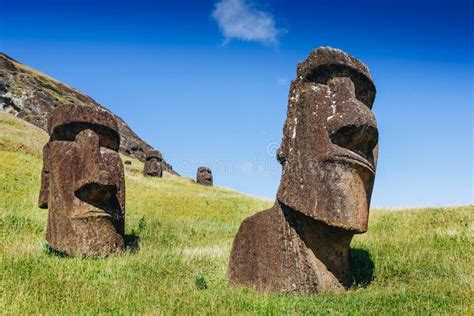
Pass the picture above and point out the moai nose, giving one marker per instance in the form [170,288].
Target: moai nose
[354,129]
[342,87]
[89,141]
[94,169]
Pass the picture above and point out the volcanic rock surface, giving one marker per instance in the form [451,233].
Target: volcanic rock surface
[32,96]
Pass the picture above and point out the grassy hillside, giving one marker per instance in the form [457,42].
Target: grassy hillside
[422,259]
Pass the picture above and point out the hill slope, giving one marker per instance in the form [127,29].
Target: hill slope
[32,96]
[422,259]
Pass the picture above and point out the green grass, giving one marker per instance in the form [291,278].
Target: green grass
[423,258]
[19,136]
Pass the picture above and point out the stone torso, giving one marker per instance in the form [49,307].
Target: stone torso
[274,252]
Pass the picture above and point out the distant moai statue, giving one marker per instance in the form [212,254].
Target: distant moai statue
[153,164]
[82,182]
[204,176]
[329,155]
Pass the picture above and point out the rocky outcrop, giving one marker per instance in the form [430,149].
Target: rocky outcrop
[32,96]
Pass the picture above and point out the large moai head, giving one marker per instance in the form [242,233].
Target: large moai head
[153,164]
[204,176]
[83,182]
[329,146]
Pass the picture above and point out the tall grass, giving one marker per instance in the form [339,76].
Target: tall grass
[420,261]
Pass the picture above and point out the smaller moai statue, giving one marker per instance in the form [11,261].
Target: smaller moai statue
[153,164]
[204,176]
[82,182]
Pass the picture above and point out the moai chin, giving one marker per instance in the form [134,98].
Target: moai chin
[83,183]
[153,164]
[329,155]
[204,176]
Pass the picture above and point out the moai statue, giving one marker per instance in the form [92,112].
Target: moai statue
[329,155]
[83,183]
[204,176]
[153,164]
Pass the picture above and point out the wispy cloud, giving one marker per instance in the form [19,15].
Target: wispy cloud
[238,19]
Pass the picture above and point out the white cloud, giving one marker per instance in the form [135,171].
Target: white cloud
[237,19]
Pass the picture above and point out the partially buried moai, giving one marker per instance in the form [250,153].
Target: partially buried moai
[204,176]
[83,182]
[153,164]
[329,155]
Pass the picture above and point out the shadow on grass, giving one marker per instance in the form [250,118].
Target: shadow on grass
[50,251]
[362,267]
[132,242]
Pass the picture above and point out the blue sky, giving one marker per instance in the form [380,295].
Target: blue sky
[206,82]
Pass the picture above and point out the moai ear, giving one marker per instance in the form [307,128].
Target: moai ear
[44,189]
[289,135]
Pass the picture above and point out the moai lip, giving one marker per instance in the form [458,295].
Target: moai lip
[204,176]
[153,164]
[83,182]
[329,156]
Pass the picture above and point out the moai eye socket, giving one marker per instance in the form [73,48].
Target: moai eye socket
[360,139]
[108,138]
[364,88]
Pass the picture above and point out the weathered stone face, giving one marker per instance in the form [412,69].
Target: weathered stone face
[83,179]
[329,147]
[204,176]
[153,164]
[328,154]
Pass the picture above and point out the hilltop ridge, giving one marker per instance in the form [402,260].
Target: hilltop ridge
[31,95]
